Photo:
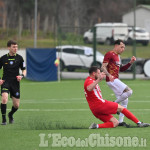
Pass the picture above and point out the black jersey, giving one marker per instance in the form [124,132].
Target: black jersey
[11,65]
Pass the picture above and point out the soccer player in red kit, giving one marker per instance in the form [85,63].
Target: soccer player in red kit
[111,67]
[103,109]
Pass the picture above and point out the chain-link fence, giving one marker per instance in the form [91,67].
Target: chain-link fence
[83,38]
[105,37]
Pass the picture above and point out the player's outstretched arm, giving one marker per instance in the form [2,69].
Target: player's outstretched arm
[104,69]
[125,67]
[92,85]
[133,59]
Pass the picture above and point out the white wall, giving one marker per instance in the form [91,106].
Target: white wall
[142,18]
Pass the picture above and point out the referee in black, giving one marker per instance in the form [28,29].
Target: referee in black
[10,82]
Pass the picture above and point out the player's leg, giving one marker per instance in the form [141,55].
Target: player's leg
[15,95]
[122,92]
[4,101]
[126,94]
[123,98]
[127,113]
[130,116]
[14,108]
[104,114]
[121,115]
[124,102]
[112,123]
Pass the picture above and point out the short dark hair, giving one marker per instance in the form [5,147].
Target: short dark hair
[11,42]
[118,42]
[93,69]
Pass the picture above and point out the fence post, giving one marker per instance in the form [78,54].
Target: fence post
[94,45]
[60,53]
[134,42]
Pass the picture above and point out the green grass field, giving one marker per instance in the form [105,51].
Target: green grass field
[61,108]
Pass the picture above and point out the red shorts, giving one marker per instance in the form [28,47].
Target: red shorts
[104,111]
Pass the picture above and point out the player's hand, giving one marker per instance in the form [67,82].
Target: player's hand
[1,82]
[103,75]
[111,78]
[133,59]
[19,78]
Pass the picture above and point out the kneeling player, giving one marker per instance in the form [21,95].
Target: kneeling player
[103,109]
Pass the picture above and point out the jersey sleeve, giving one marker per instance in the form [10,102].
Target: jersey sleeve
[88,82]
[125,67]
[22,64]
[107,58]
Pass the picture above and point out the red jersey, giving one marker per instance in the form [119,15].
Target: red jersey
[93,97]
[113,66]
[101,109]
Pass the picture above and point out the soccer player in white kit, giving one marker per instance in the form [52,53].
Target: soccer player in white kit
[111,67]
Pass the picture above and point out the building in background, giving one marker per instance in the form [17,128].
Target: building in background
[142,17]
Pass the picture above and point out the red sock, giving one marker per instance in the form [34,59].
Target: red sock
[129,115]
[106,125]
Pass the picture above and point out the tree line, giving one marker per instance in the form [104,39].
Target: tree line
[53,13]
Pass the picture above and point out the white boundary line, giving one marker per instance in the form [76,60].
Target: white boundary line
[60,110]
[66,100]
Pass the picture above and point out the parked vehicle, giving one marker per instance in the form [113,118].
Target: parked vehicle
[77,57]
[146,68]
[139,65]
[141,36]
[107,33]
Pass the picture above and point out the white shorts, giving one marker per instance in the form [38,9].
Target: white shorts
[117,86]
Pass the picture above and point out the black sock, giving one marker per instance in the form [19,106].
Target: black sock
[13,110]
[3,111]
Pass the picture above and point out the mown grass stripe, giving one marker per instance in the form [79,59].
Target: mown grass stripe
[71,110]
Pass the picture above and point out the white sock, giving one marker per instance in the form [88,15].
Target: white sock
[124,104]
[97,126]
[124,96]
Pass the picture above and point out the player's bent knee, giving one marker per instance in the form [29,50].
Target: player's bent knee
[4,99]
[16,106]
[116,123]
[120,108]
[129,93]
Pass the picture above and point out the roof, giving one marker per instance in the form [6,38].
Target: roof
[139,6]
[111,24]
[144,6]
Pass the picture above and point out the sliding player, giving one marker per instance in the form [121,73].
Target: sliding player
[103,109]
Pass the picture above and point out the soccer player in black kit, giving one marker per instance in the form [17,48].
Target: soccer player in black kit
[10,82]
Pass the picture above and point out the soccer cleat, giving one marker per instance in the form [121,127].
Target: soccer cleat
[93,126]
[123,124]
[143,124]
[4,123]
[11,119]
[118,113]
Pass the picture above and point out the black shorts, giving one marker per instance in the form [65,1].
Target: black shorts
[12,87]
